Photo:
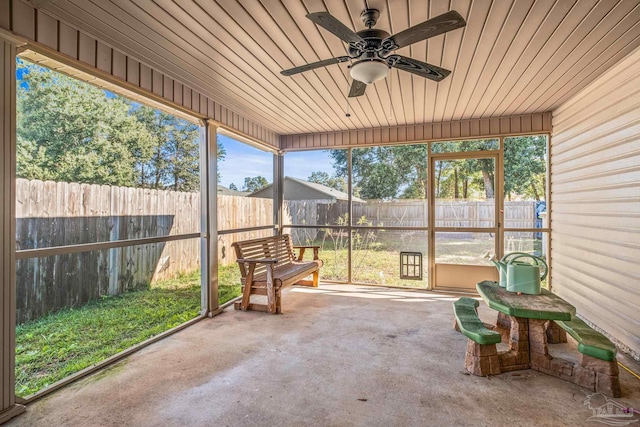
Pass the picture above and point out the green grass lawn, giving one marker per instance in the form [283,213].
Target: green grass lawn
[60,344]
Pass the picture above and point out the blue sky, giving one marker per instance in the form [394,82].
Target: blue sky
[242,161]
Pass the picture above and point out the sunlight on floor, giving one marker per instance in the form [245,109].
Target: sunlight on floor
[369,292]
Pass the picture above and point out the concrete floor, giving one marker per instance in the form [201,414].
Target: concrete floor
[338,356]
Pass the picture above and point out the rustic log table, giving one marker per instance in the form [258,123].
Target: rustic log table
[526,317]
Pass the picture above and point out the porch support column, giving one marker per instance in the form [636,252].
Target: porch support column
[209,218]
[8,406]
[278,194]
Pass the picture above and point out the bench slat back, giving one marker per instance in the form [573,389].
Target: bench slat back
[276,247]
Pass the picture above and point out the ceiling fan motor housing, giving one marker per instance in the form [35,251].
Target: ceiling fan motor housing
[372,42]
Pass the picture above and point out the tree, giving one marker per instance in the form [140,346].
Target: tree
[386,172]
[68,130]
[470,175]
[253,184]
[323,178]
[232,186]
[525,166]
[175,163]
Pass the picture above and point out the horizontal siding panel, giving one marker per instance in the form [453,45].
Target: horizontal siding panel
[595,286]
[626,178]
[479,128]
[621,305]
[605,254]
[622,237]
[614,143]
[595,202]
[626,327]
[618,122]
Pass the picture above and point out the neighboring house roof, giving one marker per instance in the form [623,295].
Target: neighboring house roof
[224,191]
[293,187]
[336,194]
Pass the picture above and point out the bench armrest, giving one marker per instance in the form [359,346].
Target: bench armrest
[302,248]
[257,260]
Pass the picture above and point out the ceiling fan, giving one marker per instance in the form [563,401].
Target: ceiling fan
[370,49]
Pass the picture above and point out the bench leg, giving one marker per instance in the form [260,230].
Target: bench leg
[278,301]
[482,360]
[246,292]
[316,279]
[271,293]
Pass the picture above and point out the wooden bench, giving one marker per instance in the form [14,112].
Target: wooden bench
[597,367]
[269,264]
[482,356]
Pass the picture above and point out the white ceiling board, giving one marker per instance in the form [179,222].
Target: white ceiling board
[514,57]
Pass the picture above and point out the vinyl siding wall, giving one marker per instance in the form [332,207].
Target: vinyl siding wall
[595,202]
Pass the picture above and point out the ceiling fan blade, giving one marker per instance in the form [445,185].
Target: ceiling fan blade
[307,67]
[357,88]
[331,24]
[418,67]
[432,27]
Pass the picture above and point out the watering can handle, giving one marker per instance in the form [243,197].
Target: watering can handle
[537,260]
[510,254]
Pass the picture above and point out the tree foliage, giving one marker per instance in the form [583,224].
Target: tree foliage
[385,172]
[401,171]
[525,166]
[323,178]
[71,131]
[253,184]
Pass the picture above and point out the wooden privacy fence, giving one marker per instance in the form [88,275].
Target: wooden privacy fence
[236,212]
[51,214]
[410,213]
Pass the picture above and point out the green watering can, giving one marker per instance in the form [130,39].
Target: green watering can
[525,277]
[502,264]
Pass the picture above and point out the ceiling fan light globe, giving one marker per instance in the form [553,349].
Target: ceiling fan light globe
[369,71]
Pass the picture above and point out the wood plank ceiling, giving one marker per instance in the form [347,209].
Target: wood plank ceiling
[513,57]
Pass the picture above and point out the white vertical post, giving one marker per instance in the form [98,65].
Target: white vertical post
[209,218]
[278,194]
[8,406]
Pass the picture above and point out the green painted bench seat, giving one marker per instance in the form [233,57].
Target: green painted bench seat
[590,341]
[470,324]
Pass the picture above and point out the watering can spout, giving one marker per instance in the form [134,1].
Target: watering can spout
[500,265]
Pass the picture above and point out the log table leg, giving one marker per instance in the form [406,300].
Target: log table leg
[541,360]
[555,334]
[517,357]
